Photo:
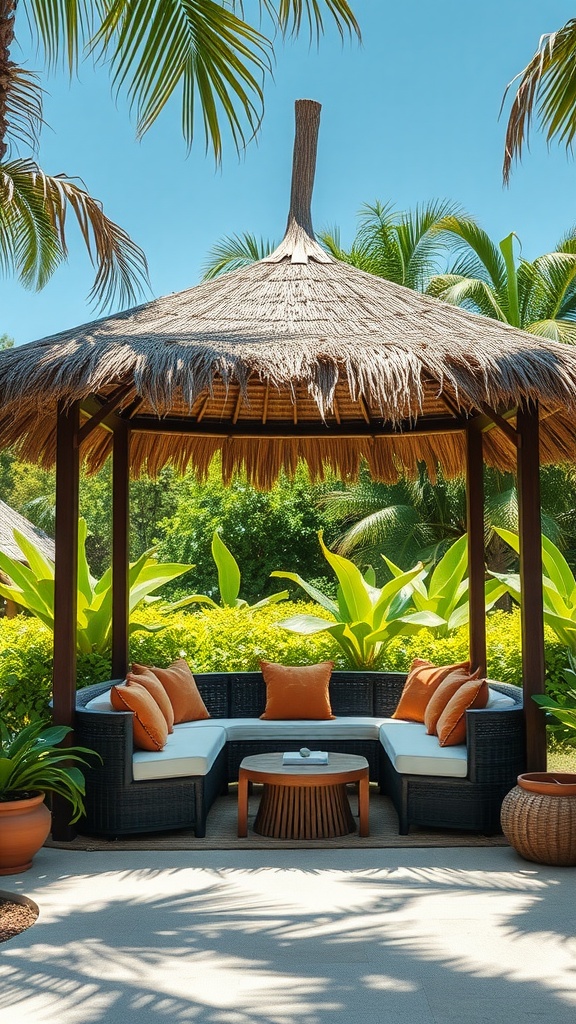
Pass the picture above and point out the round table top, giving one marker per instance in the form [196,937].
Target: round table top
[271,764]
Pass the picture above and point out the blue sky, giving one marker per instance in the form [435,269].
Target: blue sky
[409,115]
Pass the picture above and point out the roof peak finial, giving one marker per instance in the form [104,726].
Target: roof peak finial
[299,243]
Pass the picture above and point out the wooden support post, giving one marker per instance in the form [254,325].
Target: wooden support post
[530,530]
[65,590]
[475,527]
[120,549]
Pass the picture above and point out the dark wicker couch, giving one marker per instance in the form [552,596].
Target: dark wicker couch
[117,805]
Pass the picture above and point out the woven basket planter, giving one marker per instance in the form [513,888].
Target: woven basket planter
[539,817]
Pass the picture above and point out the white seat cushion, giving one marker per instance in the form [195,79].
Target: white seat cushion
[497,699]
[184,754]
[100,703]
[348,727]
[413,752]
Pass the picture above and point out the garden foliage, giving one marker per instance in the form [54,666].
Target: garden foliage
[367,617]
[33,589]
[230,639]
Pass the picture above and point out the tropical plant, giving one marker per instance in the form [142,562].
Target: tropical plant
[33,589]
[203,50]
[546,86]
[404,247]
[559,588]
[31,762]
[563,706]
[538,296]
[367,617]
[229,578]
[34,206]
[444,589]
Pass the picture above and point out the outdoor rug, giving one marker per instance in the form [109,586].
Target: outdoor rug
[222,825]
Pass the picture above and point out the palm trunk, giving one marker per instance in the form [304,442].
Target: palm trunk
[7,13]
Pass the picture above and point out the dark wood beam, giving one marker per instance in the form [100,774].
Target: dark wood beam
[286,431]
[92,407]
[530,529]
[490,419]
[120,546]
[65,590]
[107,407]
[475,528]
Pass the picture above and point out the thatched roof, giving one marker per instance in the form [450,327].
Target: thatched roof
[299,355]
[11,520]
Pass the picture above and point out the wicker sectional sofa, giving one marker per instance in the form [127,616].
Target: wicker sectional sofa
[453,787]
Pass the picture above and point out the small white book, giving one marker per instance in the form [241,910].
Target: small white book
[314,757]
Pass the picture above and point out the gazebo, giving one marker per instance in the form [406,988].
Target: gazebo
[298,356]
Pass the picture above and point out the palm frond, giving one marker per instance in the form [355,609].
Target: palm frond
[23,106]
[547,85]
[33,240]
[555,330]
[64,27]
[378,529]
[467,292]
[234,252]
[198,45]
[469,237]
[289,15]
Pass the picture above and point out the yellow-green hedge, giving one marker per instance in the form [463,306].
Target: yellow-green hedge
[236,640]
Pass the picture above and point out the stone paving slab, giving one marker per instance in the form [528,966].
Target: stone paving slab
[412,936]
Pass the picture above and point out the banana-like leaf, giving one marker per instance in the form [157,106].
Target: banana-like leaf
[313,592]
[306,624]
[450,570]
[192,599]
[354,587]
[228,571]
[280,595]
[42,567]
[421,620]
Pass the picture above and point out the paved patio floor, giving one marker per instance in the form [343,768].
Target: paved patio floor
[412,936]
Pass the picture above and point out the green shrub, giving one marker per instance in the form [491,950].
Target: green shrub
[503,641]
[234,640]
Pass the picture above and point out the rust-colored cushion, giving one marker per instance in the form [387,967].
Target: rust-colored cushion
[181,688]
[145,677]
[297,691]
[443,694]
[422,681]
[150,729]
[451,727]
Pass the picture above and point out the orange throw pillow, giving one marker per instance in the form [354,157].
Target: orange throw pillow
[181,688]
[423,680]
[150,729]
[297,692]
[451,727]
[146,678]
[443,694]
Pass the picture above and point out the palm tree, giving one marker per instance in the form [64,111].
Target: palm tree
[415,520]
[405,247]
[204,49]
[538,296]
[34,205]
[547,87]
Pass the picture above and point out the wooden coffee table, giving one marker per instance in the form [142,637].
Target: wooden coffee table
[304,801]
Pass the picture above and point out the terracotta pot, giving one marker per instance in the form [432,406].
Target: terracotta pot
[24,825]
[539,817]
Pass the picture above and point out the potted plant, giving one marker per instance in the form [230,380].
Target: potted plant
[31,766]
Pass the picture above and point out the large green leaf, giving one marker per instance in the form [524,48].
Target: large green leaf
[354,587]
[451,567]
[305,624]
[313,592]
[417,620]
[42,567]
[228,571]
